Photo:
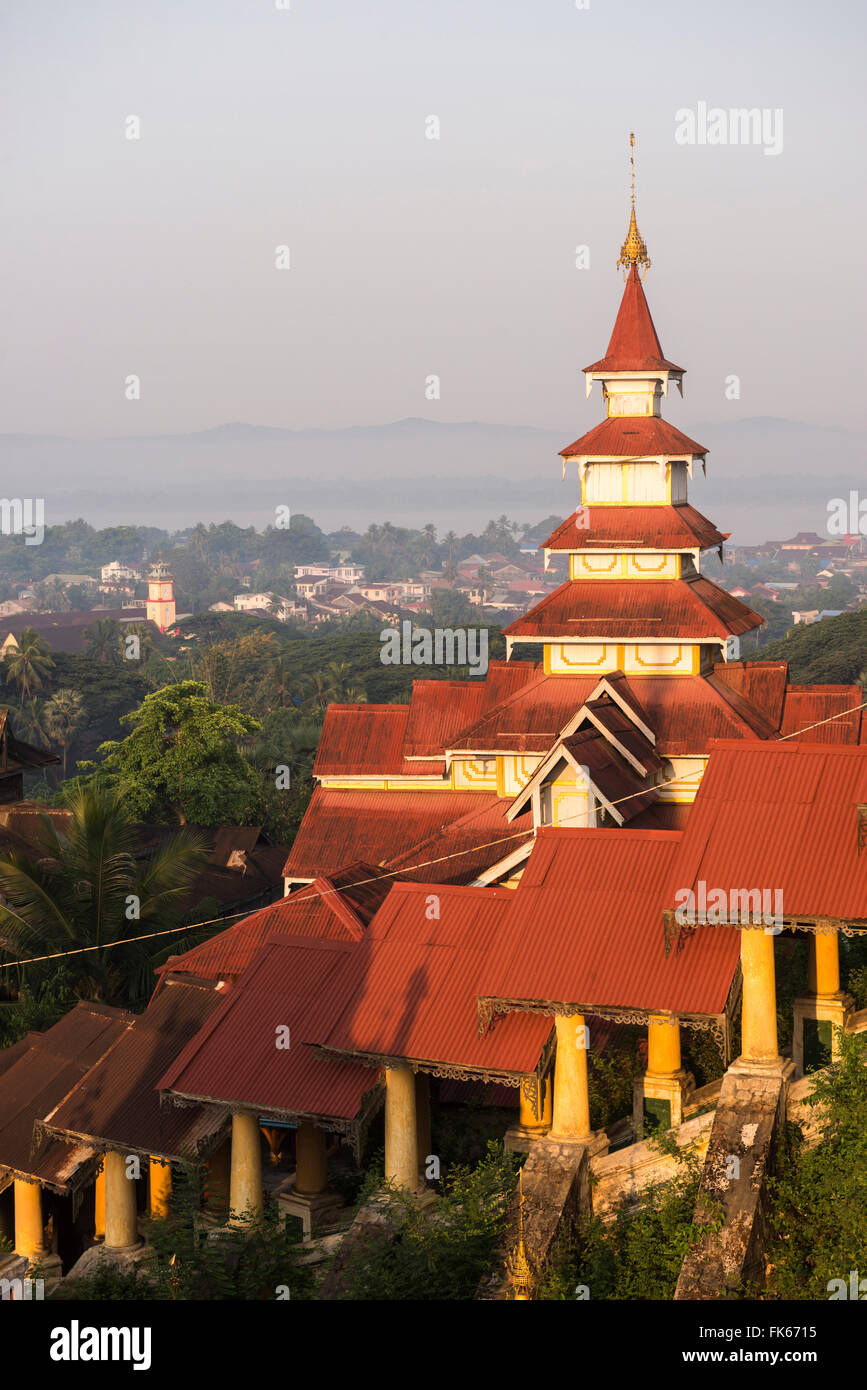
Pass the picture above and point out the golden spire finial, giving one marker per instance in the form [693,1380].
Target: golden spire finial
[520,1273]
[633,251]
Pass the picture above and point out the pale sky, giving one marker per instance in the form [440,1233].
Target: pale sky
[305,127]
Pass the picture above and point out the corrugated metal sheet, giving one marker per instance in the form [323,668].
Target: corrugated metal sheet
[636,528]
[780,816]
[625,436]
[459,852]
[635,609]
[440,709]
[51,1065]
[808,705]
[340,826]
[363,740]
[294,983]
[116,1100]
[411,985]
[685,714]
[762,683]
[587,928]
[634,344]
[314,910]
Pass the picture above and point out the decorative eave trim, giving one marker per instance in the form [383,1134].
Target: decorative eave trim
[454,1071]
[489,1006]
[337,1124]
[101,1144]
[818,926]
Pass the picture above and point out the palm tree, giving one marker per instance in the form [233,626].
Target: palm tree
[65,717]
[102,641]
[30,723]
[29,663]
[88,888]
[317,691]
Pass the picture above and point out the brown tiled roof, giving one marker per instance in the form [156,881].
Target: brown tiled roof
[43,1074]
[116,1104]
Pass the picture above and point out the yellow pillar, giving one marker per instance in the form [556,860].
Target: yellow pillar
[401,1134]
[663,1045]
[422,1116]
[245,1181]
[311,1163]
[759,1012]
[121,1216]
[161,1187]
[29,1230]
[571,1119]
[99,1204]
[823,963]
[527,1117]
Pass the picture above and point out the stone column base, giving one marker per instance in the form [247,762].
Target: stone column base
[782,1067]
[675,1089]
[519,1139]
[597,1142]
[97,1256]
[824,1008]
[311,1210]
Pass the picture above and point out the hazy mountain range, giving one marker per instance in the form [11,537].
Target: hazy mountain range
[767,477]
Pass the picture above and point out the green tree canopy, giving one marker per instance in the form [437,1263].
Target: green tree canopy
[181,762]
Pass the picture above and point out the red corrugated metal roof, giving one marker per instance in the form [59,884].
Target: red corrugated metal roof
[631,436]
[636,528]
[808,705]
[779,816]
[684,712]
[367,740]
[663,608]
[315,910]
[340,825]
[235,1059]
[586,929]
[411,985]
[440,709]
[634,344]
[763,683]
[44,1073]
[459,852]
[116,1101]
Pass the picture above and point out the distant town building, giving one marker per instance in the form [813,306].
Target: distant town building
[161,596]
[116,572]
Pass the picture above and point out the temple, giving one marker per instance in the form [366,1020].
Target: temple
[489,879]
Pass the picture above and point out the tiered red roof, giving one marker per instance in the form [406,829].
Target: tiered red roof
[634,436]
[676,609]
[684,713]
[634,344]
[678,527]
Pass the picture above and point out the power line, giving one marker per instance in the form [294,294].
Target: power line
[293,899]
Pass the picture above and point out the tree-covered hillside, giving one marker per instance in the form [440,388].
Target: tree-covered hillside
[833,652]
